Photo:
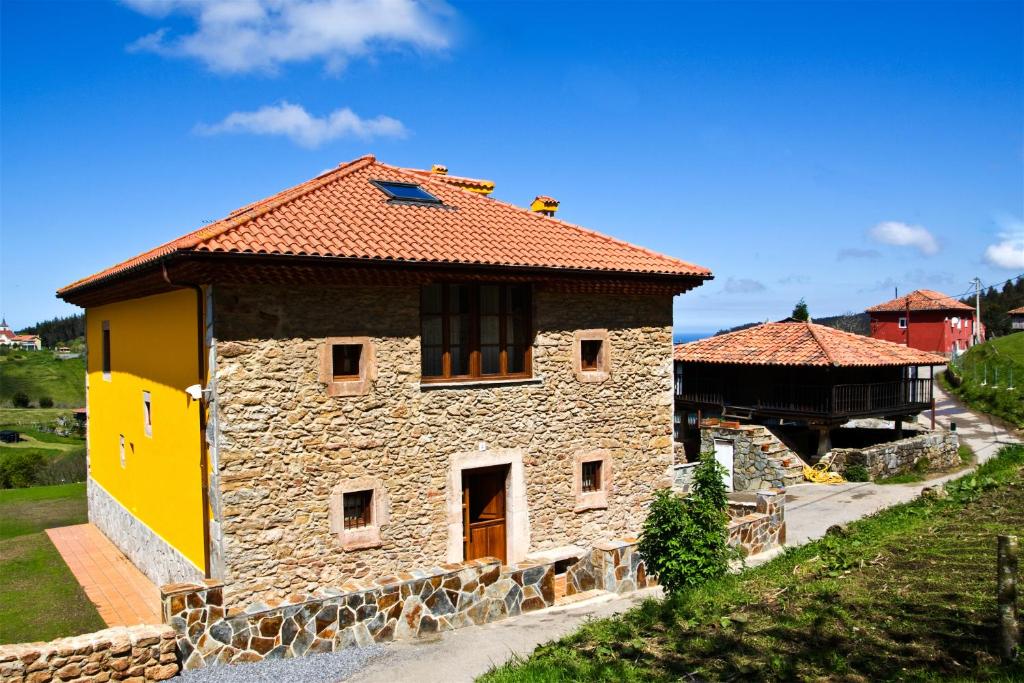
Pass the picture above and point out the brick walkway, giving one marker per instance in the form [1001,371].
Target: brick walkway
[122,594]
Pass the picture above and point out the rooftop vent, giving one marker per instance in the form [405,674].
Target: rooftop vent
[544,205]
[439,169]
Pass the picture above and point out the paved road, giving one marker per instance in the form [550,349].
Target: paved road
[464,654]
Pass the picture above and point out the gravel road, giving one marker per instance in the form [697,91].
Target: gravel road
[326,668]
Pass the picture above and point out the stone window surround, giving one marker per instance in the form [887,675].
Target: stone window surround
[591,500]
[517,523]
[604,359]
[367,367]
[380,504]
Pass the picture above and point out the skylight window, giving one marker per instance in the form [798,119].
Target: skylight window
[405,192]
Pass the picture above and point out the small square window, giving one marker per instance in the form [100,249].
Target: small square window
[903,323]
[147,413]
[345,362]
[358,506]
[591,476]
[590,354]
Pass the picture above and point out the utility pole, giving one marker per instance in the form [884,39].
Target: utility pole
[977,310]
[908,319]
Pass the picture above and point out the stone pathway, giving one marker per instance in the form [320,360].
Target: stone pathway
[122,594]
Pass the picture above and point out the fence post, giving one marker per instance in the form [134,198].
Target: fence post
[1006,596]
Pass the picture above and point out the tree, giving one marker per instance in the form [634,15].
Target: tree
[800,311]
[20,400]
[45,402]
[685,539]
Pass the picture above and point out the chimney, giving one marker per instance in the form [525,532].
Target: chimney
[439,169]
[544,205]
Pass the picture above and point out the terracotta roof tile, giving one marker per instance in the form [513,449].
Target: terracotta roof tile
[1017,311]
[800,343]
[341,214]
[922,300]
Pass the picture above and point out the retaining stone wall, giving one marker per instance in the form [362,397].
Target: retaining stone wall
[135,653]
[759,458]
[939,448]
[407,606]
[758,526]
[284,443]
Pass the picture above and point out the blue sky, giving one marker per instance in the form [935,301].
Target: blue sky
[827,150]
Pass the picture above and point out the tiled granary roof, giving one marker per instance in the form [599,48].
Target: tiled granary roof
[801,343]
[922,300]
[342,214]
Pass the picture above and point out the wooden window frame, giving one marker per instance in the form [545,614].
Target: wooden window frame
[362,537]
[343,385]
[597,499]
[475,354]
[596,476]
[603,371]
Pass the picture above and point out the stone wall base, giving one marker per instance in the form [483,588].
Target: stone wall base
[759,525]
[406,606]
[136,653]
[939,448]
[154,556]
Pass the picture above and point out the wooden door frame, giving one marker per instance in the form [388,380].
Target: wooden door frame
[504,471]
[517,527]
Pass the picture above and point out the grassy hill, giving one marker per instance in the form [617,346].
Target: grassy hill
[990,378]
[39,374]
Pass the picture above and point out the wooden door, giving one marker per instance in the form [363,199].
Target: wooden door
[483,512]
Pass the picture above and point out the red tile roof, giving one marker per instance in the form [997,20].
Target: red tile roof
[478,184]
[341,214]
[922,300]
[1017,311]
[801,343]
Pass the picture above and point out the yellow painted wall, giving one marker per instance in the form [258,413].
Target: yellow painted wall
[153,348]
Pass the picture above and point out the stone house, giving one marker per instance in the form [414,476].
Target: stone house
[374,372]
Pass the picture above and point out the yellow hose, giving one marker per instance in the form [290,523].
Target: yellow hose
[819,474]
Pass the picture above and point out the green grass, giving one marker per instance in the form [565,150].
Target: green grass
[985,372]
[39,374]
[906,594]
[39,597]
[26,418]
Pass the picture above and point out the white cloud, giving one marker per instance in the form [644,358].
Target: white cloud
[904,235]
[295,123]
[236,36]
[1009,253]
[743,285]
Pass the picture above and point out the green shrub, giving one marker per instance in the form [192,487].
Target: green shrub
[20,400]
[45,402]
[856,473]
[63,469]
[19,467]
[685,539]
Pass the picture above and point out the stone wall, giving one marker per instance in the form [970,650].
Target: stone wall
[154,556]
[760,460]
[283,443]
[406,606]
[759,525]
[938,448]
[136,653]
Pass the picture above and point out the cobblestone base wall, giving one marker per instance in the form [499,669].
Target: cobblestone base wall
[284,443]
[758,526]
[135,653]
[154,557]
[939,448]
[407,606]
[613,566]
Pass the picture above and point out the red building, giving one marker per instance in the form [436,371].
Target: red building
[926,320]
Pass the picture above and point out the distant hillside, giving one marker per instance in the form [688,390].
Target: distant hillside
[996,302]
[38,374]
[857,323]
[58,330]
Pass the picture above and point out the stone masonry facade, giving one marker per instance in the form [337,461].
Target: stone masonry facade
[284,444]
[405,606]
[939,448]
[133,653]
